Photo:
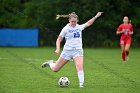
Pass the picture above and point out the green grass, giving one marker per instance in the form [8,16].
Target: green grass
[104,72]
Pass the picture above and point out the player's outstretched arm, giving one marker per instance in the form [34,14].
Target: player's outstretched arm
[58,42]
[91,21]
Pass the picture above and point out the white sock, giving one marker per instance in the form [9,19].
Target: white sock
[51,65]
[81,77]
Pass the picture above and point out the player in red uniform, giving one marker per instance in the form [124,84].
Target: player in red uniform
[126,29]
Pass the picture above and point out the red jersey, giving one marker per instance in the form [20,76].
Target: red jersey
[127,28]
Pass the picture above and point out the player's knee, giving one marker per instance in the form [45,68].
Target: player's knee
[126,49]
[55,70]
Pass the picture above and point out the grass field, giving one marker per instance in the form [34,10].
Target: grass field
[20,72]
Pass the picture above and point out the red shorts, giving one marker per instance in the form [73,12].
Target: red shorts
[125,40]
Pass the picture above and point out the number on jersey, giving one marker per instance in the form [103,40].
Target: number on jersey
[76,35]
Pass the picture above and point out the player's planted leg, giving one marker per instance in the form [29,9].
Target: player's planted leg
[81,78]
[79,66]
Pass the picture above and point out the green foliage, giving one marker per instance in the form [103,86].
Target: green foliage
[42,13]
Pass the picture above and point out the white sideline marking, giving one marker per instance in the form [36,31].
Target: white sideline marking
[28,59]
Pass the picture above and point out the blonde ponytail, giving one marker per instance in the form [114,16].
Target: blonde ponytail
[63,16]
[71,15]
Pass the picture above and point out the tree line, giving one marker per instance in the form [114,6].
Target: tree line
[41,14]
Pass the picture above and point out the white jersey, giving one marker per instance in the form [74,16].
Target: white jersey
[73,36]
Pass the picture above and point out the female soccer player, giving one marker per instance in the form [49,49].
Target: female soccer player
[72,33]
[126,29]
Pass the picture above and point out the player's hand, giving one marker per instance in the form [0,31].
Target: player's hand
[57,52]
[130,33]
[99,14]
[123,31]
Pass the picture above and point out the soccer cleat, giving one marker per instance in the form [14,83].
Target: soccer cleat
[45,64]
[81,86]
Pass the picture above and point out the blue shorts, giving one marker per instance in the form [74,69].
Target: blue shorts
[71,54]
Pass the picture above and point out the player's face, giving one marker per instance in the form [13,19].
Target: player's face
[125,19]
[73,22]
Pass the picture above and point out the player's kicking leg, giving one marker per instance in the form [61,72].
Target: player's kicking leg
[55,66]
[45,64]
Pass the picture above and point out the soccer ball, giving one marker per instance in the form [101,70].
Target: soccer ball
[63,82]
